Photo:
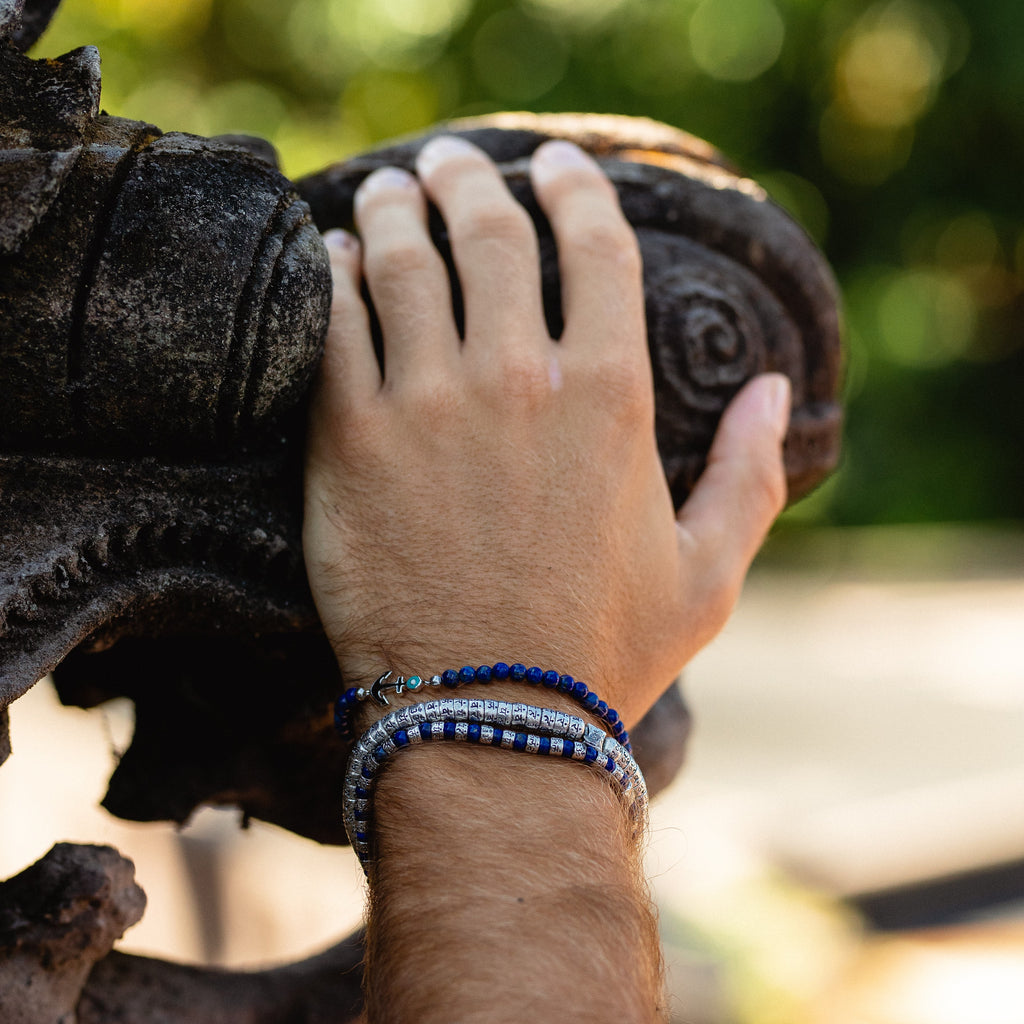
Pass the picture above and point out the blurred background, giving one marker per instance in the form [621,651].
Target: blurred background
[847,842]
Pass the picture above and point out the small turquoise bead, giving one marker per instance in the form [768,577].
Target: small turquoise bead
[413,683]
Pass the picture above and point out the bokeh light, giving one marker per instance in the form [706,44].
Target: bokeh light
[736,40]
[517,58]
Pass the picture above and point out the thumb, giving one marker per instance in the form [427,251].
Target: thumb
[741,491]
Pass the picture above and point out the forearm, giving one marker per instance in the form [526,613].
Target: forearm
[506,887]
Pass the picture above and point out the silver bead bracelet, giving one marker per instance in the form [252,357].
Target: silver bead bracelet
[496,723]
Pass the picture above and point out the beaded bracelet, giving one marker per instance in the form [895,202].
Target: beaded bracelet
[499,672]
[511,726]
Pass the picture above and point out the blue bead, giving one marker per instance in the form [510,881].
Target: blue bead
[450,678]
[590,701]
[483,674]
[565,684]
[545,745]
[474,732]
[367,772]
[361,837]
[363,815]
[602,708]
[467,674]
[550,679]
[612,717]
[519,743]
[449,730]
[501,670]
[517,672]
[534,675]
[496,739]
[349,695]
[618,729]
[425,732]
[568,748]
[362,794]
[591,754]
[380,754]
[401,738]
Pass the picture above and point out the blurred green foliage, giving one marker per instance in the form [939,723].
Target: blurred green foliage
[891,128]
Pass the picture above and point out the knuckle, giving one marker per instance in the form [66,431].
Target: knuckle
[609,235]
[497,221]
[521,380]
[624,386]
[397,259]
[772,489]
[361,434]
[433,400]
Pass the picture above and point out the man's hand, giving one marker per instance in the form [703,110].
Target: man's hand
[499,496]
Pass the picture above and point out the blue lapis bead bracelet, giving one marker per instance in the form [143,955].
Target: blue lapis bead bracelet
[454,678]
[510,726]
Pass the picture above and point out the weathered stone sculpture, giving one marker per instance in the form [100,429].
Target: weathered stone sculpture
[163,300]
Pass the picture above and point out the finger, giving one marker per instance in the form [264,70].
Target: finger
[349,366]
[405,274]
[741,491]
[494,243]
[598,256]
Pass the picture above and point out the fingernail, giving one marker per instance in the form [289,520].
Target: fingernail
[778,393]
[440,149]
[337,238]
[381,179]
[550,157]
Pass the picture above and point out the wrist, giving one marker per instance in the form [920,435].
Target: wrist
[508,864]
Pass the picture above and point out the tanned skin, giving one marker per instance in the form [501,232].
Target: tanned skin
[499,497]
